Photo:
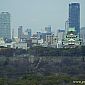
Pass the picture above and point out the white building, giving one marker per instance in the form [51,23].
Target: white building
[2,42]
[40,41]
[13,44]
[20,45]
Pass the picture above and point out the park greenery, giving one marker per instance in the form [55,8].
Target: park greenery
[42,66]
[33,79]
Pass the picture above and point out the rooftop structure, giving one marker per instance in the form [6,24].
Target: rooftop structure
[71,39]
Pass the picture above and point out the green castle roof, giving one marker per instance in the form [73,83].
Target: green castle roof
[72,29]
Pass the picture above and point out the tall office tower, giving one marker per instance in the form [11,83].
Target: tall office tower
[29,33]
[5,28]
[74,16]
[20,32]
[60,34]
[82,34]
[48,29]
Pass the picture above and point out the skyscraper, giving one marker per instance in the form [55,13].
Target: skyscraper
[29,33]
[20,32]
[48,29]
[82,34]
[5,29]
[74,16]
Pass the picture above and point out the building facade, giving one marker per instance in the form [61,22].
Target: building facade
[5,28]
[51,40]
[71,39]
[48,29]
[20,32]
[60,34]
[28,33]
[74,16]
[82,34]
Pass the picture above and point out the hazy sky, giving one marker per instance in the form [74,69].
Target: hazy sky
[36,14]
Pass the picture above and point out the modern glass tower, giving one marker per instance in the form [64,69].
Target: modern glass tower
[74,17]
[5,29]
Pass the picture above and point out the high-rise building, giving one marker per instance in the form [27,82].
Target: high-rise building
[5,28]
[29,33]
[74,17]
[48,29]
[60,34]
[20,32]
[82,34]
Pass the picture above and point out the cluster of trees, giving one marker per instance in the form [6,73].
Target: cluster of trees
[34,79]
[48,72]
[11,52]
[48,51]
[14,67]
[44,51]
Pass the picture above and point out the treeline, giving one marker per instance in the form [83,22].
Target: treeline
[11,52]
[48,51]
[34,79]
[44,51]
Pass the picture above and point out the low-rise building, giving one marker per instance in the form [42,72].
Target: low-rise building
[20,45]
[13,44]
[2,42]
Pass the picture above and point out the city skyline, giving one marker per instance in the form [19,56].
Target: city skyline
[40,13]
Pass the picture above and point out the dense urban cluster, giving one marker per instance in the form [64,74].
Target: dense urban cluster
[43,58]
[73,35]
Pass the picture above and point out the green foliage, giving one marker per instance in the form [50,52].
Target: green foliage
[49,51]
[33,79]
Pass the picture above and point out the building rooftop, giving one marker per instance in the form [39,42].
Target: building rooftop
[71,29]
